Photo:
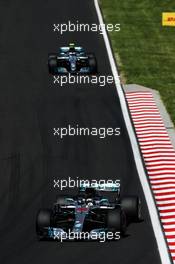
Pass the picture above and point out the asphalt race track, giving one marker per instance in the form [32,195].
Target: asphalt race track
[31,157]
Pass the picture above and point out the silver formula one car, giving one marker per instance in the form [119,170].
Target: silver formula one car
[73,60]
[90,211]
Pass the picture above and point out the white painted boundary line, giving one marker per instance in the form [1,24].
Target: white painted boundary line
[162,246]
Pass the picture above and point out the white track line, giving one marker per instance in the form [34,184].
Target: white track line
[161,243]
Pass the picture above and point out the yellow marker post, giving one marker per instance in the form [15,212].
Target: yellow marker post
[168,19]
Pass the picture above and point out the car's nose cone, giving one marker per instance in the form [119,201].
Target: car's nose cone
[73,66]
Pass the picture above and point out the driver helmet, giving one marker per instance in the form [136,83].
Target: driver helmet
[71,47]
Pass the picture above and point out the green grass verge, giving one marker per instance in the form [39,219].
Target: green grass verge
[144,49]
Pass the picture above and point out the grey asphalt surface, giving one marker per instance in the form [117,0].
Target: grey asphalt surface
[31,157]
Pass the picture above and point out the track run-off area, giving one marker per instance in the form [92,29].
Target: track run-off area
[159,157]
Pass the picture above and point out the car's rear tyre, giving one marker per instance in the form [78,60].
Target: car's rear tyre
[132,207]
[43,220]
[61,200]
[52,55]
[92,63]
[116,221]
[52,64]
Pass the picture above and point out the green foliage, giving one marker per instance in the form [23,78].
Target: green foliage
[145,49]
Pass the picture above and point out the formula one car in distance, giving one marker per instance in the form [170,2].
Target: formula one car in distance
[89,211]
[72,60]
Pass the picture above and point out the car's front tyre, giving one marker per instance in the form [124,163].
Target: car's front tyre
[92,63]
[116,221]
[52,64]
[132,207]
[43,220]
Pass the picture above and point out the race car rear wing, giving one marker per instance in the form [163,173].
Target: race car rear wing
[66,49]
[109,187]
